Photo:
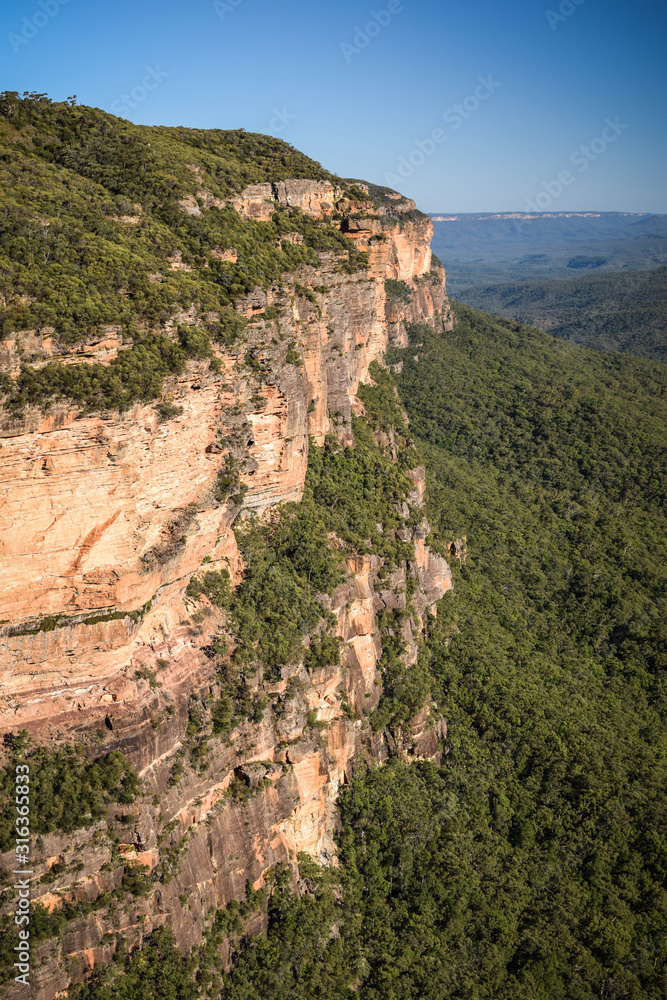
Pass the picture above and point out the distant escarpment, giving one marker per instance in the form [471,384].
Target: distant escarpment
[214,549]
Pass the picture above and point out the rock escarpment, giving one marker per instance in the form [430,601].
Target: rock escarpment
[104,519]
[104,515]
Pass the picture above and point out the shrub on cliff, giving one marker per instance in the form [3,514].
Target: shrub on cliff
[216,586]
[159,970]
[324,651]
[397,291]
[135,375]
[276,605]
[359,493]
[68,789]
[228,483]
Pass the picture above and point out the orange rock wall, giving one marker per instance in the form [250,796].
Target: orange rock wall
[101,515]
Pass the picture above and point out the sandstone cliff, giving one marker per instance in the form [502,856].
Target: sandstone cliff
[103,521]
[104,515]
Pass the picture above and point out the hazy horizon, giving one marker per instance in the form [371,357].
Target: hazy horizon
[518,211]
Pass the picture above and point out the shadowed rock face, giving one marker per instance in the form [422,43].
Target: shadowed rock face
[103,521]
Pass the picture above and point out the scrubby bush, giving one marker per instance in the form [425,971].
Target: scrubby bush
[397,291]
[68,788]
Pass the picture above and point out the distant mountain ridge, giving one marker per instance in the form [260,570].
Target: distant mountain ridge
[484,216]
[593,278]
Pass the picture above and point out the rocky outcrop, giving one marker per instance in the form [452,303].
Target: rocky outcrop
[315,198]
[103,521]
[319,199]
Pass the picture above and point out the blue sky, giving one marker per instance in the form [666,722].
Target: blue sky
[364,87]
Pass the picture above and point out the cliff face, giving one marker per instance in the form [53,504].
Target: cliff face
[103,521]
[102,516]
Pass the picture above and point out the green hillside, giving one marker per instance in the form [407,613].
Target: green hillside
[625,311]
[92,222]
[92,217]
[531,863]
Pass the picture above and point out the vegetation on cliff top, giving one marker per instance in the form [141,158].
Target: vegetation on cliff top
[144,161]
[94,232]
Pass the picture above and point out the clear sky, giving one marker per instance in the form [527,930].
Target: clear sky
[363,87]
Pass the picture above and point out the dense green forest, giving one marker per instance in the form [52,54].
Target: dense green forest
[68,789]
[531,862]
[625,311]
